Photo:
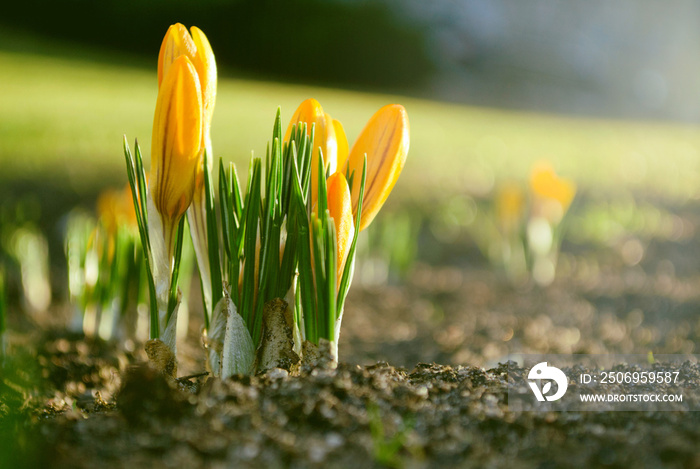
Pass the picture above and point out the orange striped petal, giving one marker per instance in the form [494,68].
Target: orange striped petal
[340,209]
[385,140]
[311,112]
[177,139]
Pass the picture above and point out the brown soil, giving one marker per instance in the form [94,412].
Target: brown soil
[72,402]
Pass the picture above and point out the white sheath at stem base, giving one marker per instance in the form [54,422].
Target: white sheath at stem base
[216,335]
[162,240]
[196,217]
[238,352]
[289,299]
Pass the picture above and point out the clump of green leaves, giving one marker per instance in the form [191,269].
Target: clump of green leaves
[263,239]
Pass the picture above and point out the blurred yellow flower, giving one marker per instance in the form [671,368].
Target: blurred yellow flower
[177,140]
[385,140]
[552,194]
[510,206]
[115,208]
[325,138]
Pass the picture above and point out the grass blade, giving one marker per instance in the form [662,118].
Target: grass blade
[137,182]
[172,297]
[212,243]
[346,279]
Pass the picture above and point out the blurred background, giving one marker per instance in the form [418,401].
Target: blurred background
[623,59]
[607,93]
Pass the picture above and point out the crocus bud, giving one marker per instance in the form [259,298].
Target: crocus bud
[340,209]
[177,140]
[311,112]
[385,141]
[196,47]
[177,42]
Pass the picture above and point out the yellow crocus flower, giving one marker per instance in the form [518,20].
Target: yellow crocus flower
[340,209]
[115,208]
[385,140]
[510,206]
[325,138]
[196,47]
[553,194]
[177,140]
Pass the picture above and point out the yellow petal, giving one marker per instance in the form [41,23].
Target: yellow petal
[177,139]
[205,64]
[107,209]
[196,47]
[126,204]
[115,208]
[340,209]
[311,112]
[177,42]
[329,145]
[545,184]
[510,206]
[342,144]
[385,140]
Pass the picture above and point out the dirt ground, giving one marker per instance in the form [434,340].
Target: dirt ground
[422,380]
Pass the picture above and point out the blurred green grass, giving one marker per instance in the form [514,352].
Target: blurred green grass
[63,117]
